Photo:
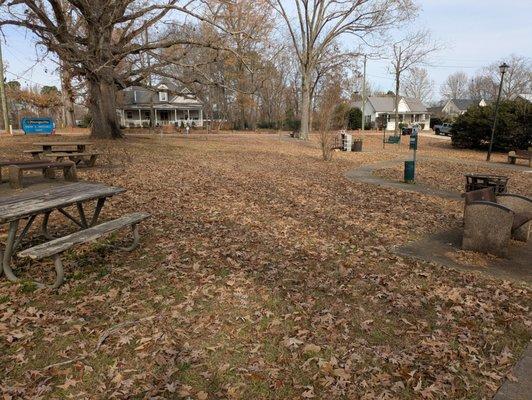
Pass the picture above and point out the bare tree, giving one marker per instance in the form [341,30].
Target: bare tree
[317,24]
[407,53]
[482,87]
[455,86]
[418,85]
[518,78]
[101,42]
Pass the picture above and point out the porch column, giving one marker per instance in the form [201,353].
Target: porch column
[140,118]
[188,115]
[175,115]
[200,117]
[155,117]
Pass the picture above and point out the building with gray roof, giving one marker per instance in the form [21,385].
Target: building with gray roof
[167,104]
[380,112]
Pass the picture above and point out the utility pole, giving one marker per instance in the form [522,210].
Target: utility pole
[148,61]
[3,96]
[364,95]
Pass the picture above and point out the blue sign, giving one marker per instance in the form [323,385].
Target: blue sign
[38,125]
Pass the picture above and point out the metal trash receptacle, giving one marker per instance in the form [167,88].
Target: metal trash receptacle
[410,170]
[357,145]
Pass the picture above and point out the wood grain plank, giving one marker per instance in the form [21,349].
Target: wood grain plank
[64,243]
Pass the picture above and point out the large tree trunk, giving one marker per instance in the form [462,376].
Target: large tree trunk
[305,107]
[102,105]
[67,95]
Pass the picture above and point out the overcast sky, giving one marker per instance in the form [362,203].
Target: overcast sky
[476,32]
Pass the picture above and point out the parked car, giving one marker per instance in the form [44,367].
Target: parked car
[406,131]
[443,129]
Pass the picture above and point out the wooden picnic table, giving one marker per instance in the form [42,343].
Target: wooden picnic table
[47,147]
[73,151]
[29,205]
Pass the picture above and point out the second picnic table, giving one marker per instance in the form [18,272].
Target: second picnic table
[75,151]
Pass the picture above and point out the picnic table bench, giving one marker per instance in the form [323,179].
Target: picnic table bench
[48,168]
[514,155]
[394,139]
[75,151]
[28,206]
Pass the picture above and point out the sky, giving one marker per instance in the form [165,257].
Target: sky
[476,33]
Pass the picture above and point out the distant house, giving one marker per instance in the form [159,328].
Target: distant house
[172,104]
[526,97]
[381,109]
[456,107]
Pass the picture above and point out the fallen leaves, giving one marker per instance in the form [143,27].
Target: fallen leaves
[263,274]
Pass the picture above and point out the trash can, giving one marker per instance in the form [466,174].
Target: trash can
[357,145]
[410,170]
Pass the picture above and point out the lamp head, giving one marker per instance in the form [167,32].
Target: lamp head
[503,68]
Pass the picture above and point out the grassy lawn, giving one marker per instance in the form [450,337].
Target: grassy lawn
[263,274]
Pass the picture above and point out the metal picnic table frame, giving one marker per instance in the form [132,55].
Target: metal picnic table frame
[15,208]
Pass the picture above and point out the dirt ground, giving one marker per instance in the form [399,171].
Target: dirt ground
[263,274]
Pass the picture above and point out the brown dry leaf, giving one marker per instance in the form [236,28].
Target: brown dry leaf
[311,348]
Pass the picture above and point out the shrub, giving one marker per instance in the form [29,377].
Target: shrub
[514,131]
[292,124]
[354,118]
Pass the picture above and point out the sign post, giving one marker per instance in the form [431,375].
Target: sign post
[410,166]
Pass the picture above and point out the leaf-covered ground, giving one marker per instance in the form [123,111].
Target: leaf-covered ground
[263,274]
[449,175]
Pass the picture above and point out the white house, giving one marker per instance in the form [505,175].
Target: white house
[411,111]
[456,107]
[172,104]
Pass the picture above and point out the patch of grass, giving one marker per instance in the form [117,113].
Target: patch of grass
[28,287]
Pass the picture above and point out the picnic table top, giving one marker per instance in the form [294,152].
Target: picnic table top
[484,176]
[35,202]
[62,144]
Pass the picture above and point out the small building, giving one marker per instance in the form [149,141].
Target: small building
[456,107]
[380,110]
[172,104]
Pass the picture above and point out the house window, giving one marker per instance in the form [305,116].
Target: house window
[129,114]
[163,96]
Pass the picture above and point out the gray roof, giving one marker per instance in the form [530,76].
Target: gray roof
[135,95]
[464,104]
[386,104]
[524,96]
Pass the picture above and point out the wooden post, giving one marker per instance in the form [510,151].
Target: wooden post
[15,177]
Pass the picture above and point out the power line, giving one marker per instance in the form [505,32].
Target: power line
[23,78]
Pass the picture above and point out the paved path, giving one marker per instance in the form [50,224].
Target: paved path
[522,389]
[365,174]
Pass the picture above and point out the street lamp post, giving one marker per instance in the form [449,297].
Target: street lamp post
[502,68]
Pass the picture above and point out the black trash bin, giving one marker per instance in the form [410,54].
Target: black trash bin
[357,145]
[410,170]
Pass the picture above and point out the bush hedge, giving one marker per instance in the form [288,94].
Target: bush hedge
[472,130]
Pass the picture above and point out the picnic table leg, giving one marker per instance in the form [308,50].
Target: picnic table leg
[97,210]
[70,173]
[6,260]
[44,227]
[136,238]
[49,173]
[15,177]
[81,213]
[92,160]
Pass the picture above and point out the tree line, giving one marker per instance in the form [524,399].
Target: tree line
[255,63]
